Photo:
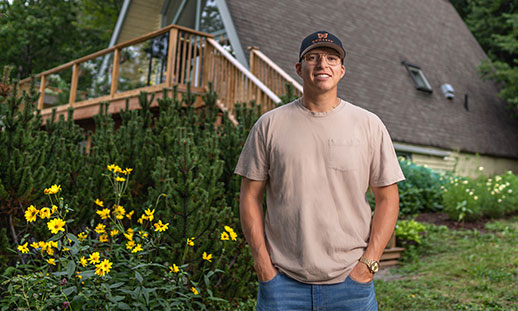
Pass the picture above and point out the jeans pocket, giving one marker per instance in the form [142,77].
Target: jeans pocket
[266,283]
[353,281]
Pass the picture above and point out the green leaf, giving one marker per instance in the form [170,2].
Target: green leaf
[69,290]
[73,238]
[71,268]
[138,276]
[123,306]
[56,237]
[116,285]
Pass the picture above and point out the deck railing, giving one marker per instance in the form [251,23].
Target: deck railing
[272,75]
[173,55]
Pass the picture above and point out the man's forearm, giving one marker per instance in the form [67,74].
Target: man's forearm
[384,220]
[252,223]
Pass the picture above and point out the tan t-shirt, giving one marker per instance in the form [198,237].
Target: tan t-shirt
[318,167]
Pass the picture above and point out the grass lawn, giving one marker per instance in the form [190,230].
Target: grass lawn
[457,270]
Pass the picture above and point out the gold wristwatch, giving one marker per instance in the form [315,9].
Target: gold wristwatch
[373,265]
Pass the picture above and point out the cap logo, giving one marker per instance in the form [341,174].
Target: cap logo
[322,35]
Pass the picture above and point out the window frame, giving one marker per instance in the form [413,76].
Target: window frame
[410,68]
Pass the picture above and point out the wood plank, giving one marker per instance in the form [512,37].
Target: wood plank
[73,85]
[171,49]
[115,73]
[388,263]
[184,54]
[387,256]
[41,100]
[189,60]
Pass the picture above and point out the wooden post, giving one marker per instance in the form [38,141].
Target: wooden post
[252,59]
[41,100]
[171,51]
[73,85]
[115,72]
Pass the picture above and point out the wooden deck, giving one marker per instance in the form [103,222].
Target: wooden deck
[185,57]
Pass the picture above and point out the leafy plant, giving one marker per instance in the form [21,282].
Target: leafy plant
[114,264]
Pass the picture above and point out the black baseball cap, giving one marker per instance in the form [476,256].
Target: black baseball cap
[321,38]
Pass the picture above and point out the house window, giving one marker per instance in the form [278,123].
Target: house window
[417,75]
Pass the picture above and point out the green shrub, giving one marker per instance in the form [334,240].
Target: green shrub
[420,191]
[471,199]
[409,231]
[175,149]
[118,263]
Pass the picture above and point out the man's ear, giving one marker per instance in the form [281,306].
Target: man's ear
[298,68]
[343,71]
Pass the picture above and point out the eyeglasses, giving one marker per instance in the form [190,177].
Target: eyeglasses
[314,58]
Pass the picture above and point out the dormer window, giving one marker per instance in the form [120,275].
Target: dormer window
[417,75]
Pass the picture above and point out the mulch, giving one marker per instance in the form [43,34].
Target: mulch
[442,219]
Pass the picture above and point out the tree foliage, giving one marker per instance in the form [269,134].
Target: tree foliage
[494,23]
[36,35]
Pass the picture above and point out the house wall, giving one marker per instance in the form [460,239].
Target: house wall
[143,17]
[467,164]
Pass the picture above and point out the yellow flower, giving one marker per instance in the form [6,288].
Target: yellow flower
[35,244]
[130,244]
[141,220]
[111,167]
[207,257]
[224,236]
[190,241]
[82,236]
[83,261]
[159,226]
[94,257]
[52,190]
[137,248]
[42,244]
[56,225]
[45,213]
[66,249]
[129,235]
[121,179]
[149,214]
[174,268]
[103,268]
[54,209]
[104,213]
[103,238]
[51,261]
[99,202]
[31,213]
[143,234]
[23,248]
[194,290]
[233,236]
[119,211]
[100,228]
[128,215]
[127,171]
[79,276]
[114,232]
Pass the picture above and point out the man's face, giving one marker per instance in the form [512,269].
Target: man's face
[320,77]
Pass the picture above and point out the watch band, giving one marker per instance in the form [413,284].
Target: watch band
[372,264]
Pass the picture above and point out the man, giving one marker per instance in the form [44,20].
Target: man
[318,246]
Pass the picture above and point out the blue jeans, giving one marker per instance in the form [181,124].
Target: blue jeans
[286,294]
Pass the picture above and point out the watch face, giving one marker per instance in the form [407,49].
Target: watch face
[375,267]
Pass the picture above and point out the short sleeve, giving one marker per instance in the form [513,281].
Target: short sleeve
[384,166]
[253,161]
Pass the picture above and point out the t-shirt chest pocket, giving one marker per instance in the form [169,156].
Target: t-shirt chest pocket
[344,155]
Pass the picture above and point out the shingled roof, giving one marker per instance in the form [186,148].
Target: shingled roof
[378,37]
